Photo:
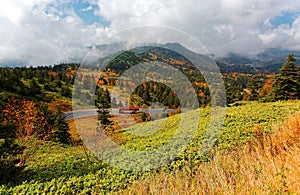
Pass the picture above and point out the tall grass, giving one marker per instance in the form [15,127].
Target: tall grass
[269,164]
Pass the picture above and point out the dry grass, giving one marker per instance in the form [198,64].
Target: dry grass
[75,137]
[64,105]
[88,125]
[268,165]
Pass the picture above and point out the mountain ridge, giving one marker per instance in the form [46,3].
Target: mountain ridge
[268,61]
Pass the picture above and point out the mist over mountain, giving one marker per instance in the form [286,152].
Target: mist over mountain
[275,53]
[268,61]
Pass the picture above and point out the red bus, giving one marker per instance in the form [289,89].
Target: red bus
[128,109]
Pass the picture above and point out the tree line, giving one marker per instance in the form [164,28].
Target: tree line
[34,83]
[25,116]
[24,92]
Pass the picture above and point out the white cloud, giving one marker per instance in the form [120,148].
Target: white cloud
[221,25]
[10,12]
[88,8]
[40,34]
[45,32]
[284,35]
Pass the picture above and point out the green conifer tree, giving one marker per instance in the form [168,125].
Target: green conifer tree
[9,152]
[102,101]
[286,82]
[61,127]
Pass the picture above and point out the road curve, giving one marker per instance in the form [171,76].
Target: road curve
[76,114]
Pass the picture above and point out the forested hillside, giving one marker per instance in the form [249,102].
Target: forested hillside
[42,152]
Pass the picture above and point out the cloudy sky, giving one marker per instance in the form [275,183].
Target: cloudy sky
[44,32]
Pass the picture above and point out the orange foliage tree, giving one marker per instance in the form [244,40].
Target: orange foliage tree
[32,121]
[43,127]
[267,87]
[22,113]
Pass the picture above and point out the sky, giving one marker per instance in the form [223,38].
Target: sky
[46,32]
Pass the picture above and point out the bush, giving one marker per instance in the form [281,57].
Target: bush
[9,152]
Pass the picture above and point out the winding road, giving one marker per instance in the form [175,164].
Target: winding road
[76,114]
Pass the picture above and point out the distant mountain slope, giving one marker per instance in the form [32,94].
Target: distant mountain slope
[268,61]
[275,53]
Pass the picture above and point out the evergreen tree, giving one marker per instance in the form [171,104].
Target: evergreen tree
[87,83]
[298,81]
[286,82]
[66,91]
[102,101]
[114,103]
[44,124]
[61,129]
[146,95]
[120,103]
[254,86]
[35,89]
[9,152]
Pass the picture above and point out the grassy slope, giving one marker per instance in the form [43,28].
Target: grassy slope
[270,164]
[69,170]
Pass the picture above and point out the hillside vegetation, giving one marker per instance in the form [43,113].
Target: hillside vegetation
[268,164]
[254,151]
[73,170]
